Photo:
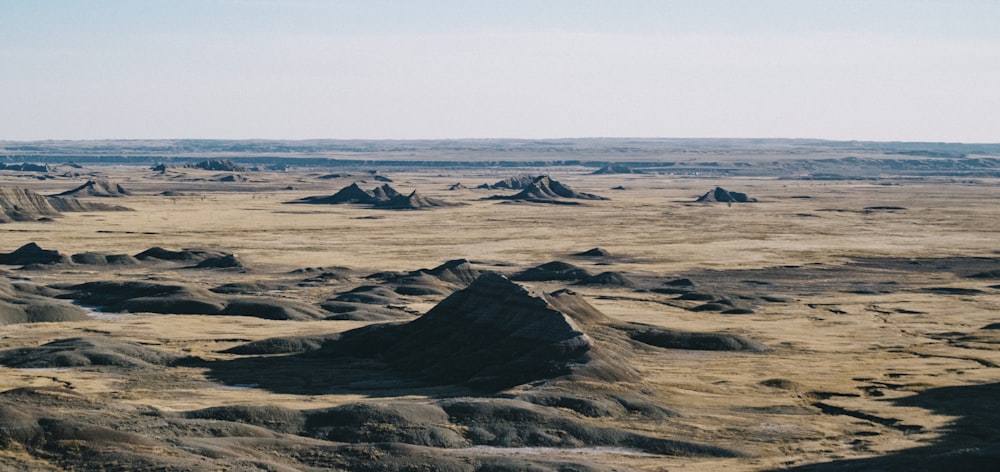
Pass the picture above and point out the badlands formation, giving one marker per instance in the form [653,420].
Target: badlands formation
[824,306]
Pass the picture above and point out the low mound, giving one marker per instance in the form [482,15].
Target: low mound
[441,280]
[511,183]
[413,201]
[103,259]
[96,188]
[148,297]
[457,186]
[722,195]
[219,165]
[84,352]
[669,339]
[27,303]
[555,270]
[608,279]
[595,252]
[184,255]
[31,254]
[228,261]
[545,190]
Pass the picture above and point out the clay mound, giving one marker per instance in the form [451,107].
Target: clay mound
[68,205]
[246,288]
[384,193]
[273,309]
[457,186]
[350,194]
[608,279]
[231,178]
[157,253]
[366,303]
[145,297]
[32,254]
[456,271]
[511,183]
[413,201]
[615,169]
[555,270]
[29,303]
[19,204]
[595,252]
[722,195]
[492,335]
[228,261]
[26,167]
[275,418]
[545,190]
[85,352]
[219,165]
[97,188]
[670,339]
[103,259]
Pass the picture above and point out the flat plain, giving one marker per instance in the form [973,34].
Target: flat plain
[843,323]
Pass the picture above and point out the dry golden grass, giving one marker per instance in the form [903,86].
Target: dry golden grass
[651,228]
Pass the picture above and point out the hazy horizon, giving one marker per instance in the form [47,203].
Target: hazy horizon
[911,71]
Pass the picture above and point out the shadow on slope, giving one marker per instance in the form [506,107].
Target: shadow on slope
[971,442]
[491,336]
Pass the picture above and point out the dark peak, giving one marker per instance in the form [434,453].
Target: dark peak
[97,188]
[385,192]
[545,189]
[595,252]
[555,270]
[219,165]
[722,195]
[31,253]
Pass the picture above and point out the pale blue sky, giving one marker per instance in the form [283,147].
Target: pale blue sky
[837,69]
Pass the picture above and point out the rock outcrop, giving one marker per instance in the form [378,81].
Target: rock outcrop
[96,188]
[725,196]
[545,190]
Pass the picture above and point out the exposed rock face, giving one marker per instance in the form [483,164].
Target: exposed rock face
[492,335]
[511,183]
[97,188]
[19,204]
[350,194]
[413,201]
[545,190]
[384,193]
[722,195]
[219,165]
[384,197]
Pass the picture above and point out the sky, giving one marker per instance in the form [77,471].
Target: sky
[881,70]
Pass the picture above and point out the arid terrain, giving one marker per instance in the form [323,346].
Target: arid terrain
[568,306]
